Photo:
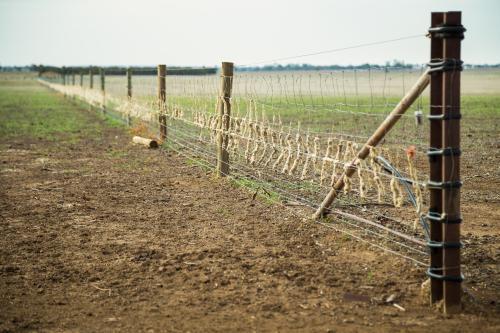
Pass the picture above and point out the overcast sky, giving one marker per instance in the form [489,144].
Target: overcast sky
[205,32]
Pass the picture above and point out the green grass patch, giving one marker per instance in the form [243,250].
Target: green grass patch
[36,112]
[30,110]
[259,189]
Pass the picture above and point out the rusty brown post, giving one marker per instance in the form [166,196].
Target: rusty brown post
[224,110]
[435,207]
[452,289]
[162,98]
[448,67]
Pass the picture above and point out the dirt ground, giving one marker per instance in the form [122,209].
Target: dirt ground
[99,235]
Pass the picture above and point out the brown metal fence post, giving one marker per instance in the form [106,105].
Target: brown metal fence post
[448,67]
[224,110]
[103,89]
[129,92]
[435,207]
[162,98]
[451,168]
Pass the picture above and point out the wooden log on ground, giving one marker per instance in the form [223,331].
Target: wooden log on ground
[145,142]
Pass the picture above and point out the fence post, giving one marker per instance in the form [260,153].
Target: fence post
[448,67]
[129,92]
[91,84]
[81,79]
[129,82]
[162,98]
[91,78]
[451,166]
[73,77]
[435,162]
[224,110]
[103,89]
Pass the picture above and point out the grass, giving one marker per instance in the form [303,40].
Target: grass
[32,111]
[260,189]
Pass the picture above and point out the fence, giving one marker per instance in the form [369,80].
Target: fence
[353,138]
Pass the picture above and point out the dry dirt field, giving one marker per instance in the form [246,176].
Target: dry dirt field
[99,235]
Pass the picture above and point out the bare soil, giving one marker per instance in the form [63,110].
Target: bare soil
[103,236]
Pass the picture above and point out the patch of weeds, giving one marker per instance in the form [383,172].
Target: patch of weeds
[258,188]
[192,161]
[113,120]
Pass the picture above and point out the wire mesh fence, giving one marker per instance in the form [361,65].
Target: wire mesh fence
[290,136]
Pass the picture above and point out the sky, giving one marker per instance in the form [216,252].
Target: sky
[204,33]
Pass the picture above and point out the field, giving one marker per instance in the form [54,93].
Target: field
[102,235]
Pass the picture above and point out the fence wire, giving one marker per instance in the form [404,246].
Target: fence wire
[290,136]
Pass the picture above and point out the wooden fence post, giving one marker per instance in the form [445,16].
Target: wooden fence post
[103,89]
[129,82]
[91,78]
[73,77]
[129,93]
[162,98]
[447,114]
[224,110]
[81,79]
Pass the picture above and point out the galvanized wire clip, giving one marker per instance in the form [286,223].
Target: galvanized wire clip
[431,273]
[444,65]
[443,218]
[443,185]
[447,31]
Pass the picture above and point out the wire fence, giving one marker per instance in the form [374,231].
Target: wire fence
[290,136]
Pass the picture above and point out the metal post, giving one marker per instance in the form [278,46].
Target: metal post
[224,108]
[162,98]
[72,77]
[435,162]
[81,79]
[452,288]
[448,67]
